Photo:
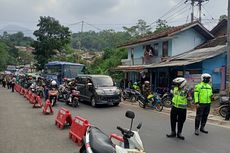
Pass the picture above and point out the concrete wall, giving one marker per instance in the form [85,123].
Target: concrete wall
[186,41]
[210,65]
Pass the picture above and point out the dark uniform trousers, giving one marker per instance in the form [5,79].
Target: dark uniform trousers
[177,115]
[202,115]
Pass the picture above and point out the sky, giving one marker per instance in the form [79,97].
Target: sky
[105,14]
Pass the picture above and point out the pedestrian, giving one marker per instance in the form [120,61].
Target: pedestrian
[202,95]
[179,108]
[13,81]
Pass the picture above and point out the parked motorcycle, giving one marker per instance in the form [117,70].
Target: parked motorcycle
[96,141]
[73,98]
[53,94]
[130,94]
[153,101]
[224,106]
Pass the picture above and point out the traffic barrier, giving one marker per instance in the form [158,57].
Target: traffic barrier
[26,92]
[78,129]
[22,91]
[45,108]
[63,118]
[32,99]
[16,87]
[28,95]
[38,101]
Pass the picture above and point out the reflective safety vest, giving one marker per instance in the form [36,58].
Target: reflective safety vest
[136,87]
[203,93]
[179,98]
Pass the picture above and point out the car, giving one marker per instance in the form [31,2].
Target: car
[98,89]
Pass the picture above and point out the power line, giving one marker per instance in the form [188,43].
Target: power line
[178,12]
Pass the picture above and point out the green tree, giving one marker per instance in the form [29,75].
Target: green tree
[161,26]
[51,38]
[140,29]
[4,55]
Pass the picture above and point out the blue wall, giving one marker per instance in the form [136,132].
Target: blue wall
[186,41]
[209,66]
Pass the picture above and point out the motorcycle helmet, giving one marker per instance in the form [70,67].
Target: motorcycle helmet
[53,83]
[147,82]
[65,79]
[180,82]
[135,83]
[205,78]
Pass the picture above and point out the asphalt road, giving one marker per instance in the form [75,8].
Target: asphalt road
[27,130]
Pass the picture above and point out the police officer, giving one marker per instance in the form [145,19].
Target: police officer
[202,96]
[179,108]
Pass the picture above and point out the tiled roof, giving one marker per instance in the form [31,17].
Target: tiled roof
[166,33]
[214,42]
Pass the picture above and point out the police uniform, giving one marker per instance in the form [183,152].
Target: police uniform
[202,96]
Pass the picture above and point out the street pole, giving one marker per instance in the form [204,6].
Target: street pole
[200,4]
[228,50]
[192,14]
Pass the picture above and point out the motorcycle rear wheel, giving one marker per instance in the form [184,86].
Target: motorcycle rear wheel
[141,104]
[223,110]
[159,107]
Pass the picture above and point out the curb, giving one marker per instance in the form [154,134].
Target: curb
[212,119]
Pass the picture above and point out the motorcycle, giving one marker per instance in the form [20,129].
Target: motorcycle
[153,101]
[96,141]
[224,107]
[53,94]
[130,94]
[73,98]
[63,93]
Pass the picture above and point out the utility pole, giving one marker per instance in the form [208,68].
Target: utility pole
[82,25]
[228,50]
[199,3]
[192,14]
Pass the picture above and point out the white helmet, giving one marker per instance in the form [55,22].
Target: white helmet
[205,77]
[53,83]
[181,82]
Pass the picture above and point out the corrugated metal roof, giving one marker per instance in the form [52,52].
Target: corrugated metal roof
[191,57]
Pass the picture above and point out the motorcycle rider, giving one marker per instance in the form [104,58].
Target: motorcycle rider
[179,108]
[135,86]
[202,95]
[146,91]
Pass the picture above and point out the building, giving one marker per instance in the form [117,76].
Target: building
[159,47]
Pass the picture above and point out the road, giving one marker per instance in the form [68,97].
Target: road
[27,130]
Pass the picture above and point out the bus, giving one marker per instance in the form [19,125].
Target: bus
[58,70]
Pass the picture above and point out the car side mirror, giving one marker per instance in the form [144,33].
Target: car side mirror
[130,114]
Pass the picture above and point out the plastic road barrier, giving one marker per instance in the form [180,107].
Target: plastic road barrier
[45,108]
[38,101]
[63,118]
[78,129]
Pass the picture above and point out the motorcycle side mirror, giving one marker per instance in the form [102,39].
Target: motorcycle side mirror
[139,126]
[130,114]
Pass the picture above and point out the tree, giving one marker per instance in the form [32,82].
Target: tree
[161,26]
[223,17]
[4,55]
[140,29]
[51,38]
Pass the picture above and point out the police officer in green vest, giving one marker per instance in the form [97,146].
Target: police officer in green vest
[179,108]
[202,96]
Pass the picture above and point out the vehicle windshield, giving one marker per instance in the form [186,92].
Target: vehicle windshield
[53,69]
[103,81]
[71,71]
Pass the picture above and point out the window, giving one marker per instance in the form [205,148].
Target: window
[165,49]
[155,49]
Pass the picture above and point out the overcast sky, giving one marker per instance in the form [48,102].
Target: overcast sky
[104,14]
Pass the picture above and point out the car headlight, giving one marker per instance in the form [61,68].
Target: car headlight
[100,92]
[117,91]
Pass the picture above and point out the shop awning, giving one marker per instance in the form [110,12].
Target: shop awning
[133,68]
